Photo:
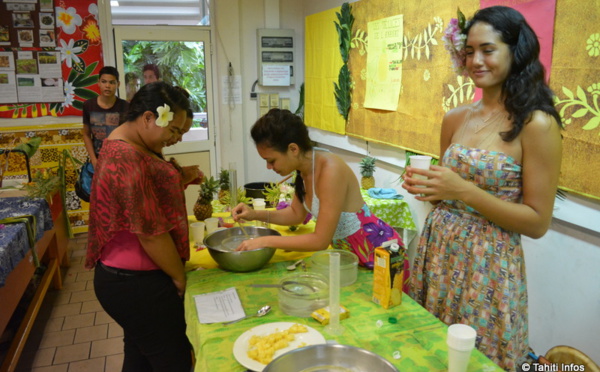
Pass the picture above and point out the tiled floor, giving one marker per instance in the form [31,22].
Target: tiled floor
[72,332]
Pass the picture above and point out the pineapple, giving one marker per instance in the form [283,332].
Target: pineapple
[203,208]
[223,186]
[367,167]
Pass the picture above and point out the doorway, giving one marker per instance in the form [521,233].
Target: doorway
[182,56]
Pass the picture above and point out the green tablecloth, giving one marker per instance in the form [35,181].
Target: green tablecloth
[395,212]
[417,335]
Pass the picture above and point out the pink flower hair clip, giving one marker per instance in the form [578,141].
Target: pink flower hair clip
[454,42]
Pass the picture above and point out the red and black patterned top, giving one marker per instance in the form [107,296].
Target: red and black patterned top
[133,191]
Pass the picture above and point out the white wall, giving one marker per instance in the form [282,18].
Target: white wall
[562,267]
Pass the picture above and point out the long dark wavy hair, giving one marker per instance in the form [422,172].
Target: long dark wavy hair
[277,129]
[153,95]
[524,90]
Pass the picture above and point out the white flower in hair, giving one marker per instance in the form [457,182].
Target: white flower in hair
[164,115]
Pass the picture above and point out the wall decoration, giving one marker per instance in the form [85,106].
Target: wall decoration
[576,83]
[429,86]
[38,86]
[322,67]
[54,139]
[570,51]
[342,87]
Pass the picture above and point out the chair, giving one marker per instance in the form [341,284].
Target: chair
[566,355]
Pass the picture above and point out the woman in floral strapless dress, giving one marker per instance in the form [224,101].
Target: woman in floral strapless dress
[497,180]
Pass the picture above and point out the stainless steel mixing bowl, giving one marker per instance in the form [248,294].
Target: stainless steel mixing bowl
[330,357]
[239,261]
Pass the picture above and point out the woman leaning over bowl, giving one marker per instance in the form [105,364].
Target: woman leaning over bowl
[325,186]
[138,232]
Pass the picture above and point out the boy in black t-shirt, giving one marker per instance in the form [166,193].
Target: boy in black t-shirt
[101,115]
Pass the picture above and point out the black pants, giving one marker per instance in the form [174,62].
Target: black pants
[147,307]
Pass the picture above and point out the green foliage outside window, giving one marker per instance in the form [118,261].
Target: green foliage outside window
[180,63]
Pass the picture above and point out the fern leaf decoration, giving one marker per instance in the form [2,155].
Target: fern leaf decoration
[342,87]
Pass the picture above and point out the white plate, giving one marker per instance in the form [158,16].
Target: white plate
[240,347]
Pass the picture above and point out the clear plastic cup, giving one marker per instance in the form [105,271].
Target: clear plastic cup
[197,232]
[211,224]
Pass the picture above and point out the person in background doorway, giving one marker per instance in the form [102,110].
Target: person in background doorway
[101,115]
[132,85]
[500,162]
[151,73]
[138,233]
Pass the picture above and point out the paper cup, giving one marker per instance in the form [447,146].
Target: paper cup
[420,162]
[211,224]
[258,203]
[197,232]
[460,341]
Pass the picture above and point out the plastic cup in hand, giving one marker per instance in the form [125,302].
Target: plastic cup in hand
[420,162]
[197,232]
[461,341]
[211,224]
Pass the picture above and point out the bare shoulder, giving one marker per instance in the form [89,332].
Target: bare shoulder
[330,161]
[455,117]
[541,134]
[541,123]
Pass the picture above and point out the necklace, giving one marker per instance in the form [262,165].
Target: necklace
[482,123]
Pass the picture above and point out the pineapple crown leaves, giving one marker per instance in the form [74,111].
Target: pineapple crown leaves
[208,189]
[367,166]
[224,179]
[241,197]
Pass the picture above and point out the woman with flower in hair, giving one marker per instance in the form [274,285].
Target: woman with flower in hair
[500,162]
[325,187]
[138,232]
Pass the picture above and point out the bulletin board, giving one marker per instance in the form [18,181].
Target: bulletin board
[429,87]
[50,55]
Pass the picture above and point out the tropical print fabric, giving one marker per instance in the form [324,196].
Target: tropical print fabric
[372,233]
[469,270]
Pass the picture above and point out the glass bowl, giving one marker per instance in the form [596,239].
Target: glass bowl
[302,293]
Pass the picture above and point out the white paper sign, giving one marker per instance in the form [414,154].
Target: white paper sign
[217,307]
[276,75]
[232,89]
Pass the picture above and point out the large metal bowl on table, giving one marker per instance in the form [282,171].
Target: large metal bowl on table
[221,245]
[330,357]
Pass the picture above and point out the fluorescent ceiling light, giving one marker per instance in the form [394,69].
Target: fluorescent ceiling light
[114,3]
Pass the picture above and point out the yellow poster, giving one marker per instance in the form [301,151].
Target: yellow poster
[384,63]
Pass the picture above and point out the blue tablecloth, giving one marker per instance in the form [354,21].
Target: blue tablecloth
[14,241]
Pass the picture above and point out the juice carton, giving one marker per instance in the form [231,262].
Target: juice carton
[388,275]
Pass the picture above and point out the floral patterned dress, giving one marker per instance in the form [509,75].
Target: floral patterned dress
[469,270]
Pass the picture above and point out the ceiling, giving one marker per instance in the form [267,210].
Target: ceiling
[157,12]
